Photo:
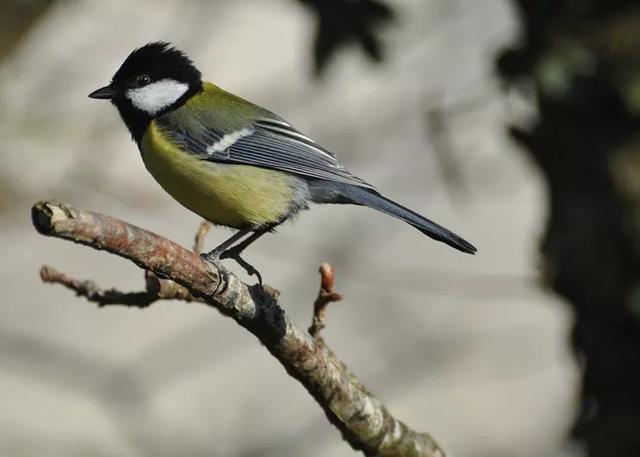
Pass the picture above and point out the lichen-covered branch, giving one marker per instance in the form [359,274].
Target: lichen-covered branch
[362,418]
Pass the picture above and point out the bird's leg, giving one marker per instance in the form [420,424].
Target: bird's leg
[215,254]
[234,253]
[226,250]
[230,252]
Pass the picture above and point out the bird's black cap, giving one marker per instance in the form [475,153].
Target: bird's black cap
[158,60]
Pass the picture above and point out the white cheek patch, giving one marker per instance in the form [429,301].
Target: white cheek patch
[156,96]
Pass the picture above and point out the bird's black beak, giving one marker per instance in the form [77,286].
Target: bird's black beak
[104,93]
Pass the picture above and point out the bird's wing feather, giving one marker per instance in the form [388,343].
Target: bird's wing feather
[269,143]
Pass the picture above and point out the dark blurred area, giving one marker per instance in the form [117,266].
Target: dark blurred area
[341,23]
[582,59]
[516,121]
[16,18]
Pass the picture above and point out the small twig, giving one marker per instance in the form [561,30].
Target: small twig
[156,289]
[326,295]
[201,234]
[93,293]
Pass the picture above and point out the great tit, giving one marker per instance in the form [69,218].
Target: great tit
[230,161]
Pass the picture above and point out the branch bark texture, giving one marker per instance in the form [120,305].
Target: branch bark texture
[175,272]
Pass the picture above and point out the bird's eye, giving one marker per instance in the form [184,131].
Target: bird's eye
[142,80]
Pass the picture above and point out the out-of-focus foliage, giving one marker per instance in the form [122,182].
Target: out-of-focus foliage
[583,58]
[343,22]
[15,18]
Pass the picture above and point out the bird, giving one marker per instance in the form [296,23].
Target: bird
[230,161]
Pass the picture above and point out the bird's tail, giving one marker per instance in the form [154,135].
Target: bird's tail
[345,193]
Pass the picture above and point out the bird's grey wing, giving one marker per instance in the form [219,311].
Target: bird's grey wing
[267,143]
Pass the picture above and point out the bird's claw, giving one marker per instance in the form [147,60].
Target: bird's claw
[210,257]
[234,254]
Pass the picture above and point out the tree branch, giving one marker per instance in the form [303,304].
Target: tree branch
[362,419]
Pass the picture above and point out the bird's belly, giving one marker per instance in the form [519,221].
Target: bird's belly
[238,196]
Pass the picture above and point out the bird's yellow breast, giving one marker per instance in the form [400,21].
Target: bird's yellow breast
[238,196]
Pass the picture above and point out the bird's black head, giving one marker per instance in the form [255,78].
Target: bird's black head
[155,79]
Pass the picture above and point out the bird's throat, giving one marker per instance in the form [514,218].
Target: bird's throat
[136,121]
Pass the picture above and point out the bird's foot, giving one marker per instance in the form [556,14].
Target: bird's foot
[211,256]
[232,253]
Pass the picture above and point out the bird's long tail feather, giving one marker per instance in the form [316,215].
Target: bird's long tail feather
[344,193]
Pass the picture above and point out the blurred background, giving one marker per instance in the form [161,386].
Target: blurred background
[513,122]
